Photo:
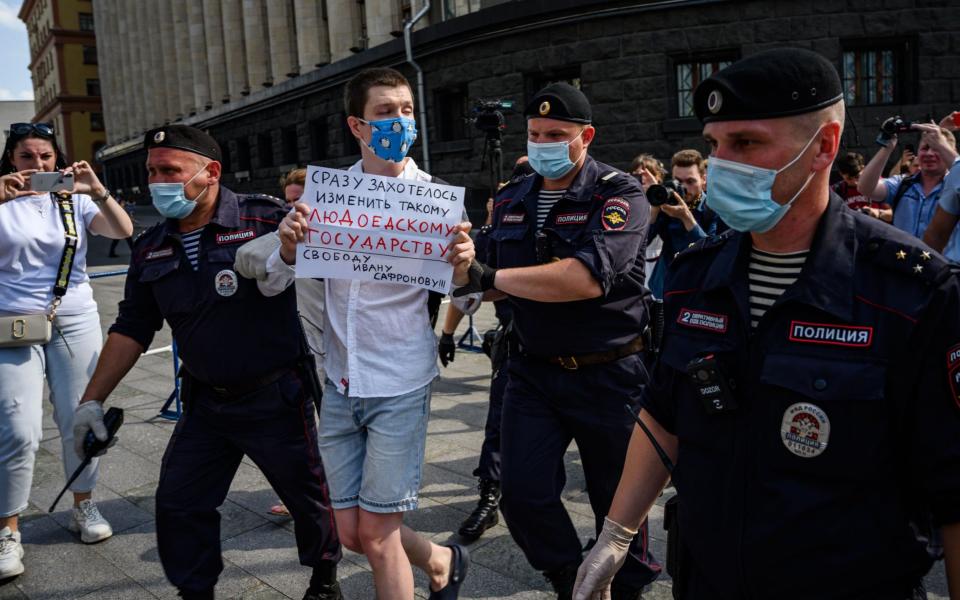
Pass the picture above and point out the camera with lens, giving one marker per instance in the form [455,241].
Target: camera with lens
[660,194]
[892,127]
[488,116]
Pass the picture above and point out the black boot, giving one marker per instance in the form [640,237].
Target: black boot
[562,581]
[485,515]
[323,583]
[195,595]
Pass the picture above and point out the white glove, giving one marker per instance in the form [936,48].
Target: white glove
[87,417]
[603,562]
[251,260]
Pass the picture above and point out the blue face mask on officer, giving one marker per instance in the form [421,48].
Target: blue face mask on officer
[390,139]
[170,199]
[552,159]
[741,194]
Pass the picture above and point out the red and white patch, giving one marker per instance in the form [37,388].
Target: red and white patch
[703,320]
[615,213]
[160,253]
[953,371]
[829,334]
[235,237]
[805,429]
[513,218]
[571,218]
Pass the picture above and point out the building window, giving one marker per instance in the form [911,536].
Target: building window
[689,74]
[243,154]
[93,87]
[318,139]
[537,81]
[264,150]
[96,121]
[450,113]
[224,156]
[86,22]
[291,151]
[89,55]
[876,71]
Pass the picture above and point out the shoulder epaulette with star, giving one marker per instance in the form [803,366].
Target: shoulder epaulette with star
[708,243]
[912,260]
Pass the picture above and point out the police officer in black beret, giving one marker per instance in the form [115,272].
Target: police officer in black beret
[808,390]
[563,249]
[243,366]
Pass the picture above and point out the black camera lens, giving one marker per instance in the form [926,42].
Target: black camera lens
[657,195]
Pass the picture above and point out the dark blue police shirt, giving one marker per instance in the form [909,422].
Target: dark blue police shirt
[601,221]
[501,308]
[848,410]
[227,332]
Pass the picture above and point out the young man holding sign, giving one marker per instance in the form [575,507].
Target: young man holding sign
[370,231]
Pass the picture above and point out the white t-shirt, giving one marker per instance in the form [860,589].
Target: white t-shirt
[31,244]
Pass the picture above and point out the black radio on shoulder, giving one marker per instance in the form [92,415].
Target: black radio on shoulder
[711,385]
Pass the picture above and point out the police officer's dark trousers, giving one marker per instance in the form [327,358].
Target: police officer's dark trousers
[545,408]
[489,465]
[276,427]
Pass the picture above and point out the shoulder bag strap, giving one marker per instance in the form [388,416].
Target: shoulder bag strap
[69,219]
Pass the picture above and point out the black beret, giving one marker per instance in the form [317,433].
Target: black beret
[183,137]
[560,101]
[767,85]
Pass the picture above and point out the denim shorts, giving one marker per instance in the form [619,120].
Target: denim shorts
[372,448]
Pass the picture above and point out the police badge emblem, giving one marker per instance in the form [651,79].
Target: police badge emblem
[805,429]
[226,283]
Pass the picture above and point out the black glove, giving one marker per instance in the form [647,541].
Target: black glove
[481,280]
[888,132]
[446,348]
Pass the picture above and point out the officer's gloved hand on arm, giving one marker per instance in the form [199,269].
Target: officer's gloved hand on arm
[251,260]
[89,417]
[446,348]
[481,280]
[605,559]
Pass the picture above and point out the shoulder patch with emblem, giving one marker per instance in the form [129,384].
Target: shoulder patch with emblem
[615,213]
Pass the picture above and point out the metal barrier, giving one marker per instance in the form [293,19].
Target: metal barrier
[174,398]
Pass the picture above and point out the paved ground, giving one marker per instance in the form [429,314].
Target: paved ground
[259,551]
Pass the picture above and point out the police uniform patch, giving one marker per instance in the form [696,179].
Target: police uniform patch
[226,283]
[699,319]
[953,372]
[236,236]
[829,334]
[513,218]
[805,429]
[571,218]
[161,253]
[615,214]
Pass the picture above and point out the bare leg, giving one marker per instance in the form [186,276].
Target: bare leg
[79,497]
[432,559]
[381,540]
[11,522]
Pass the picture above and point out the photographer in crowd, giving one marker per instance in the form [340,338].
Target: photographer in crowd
[912,199]
[678,214]
[944,222]
[44,238]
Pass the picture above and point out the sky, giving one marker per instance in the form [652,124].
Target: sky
[14,54]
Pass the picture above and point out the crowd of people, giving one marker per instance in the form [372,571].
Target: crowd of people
[781,321]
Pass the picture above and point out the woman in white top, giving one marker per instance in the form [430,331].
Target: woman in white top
[31,245]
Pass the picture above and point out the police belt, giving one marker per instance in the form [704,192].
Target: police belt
[574,362]
[244,387]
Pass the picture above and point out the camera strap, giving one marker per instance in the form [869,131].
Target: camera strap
[905,184]
[71,240]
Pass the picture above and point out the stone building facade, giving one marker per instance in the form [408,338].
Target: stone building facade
[637,61]
[65,74]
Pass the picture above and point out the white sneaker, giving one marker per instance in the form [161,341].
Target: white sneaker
[88,521]
[11,553]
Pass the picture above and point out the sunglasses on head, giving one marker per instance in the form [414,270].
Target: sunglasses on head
[44,129]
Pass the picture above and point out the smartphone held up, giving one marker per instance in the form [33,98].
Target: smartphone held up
[55,181]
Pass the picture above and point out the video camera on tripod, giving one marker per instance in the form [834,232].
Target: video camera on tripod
[488,116]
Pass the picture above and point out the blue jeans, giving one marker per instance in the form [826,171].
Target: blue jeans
[22,373]
[372,449]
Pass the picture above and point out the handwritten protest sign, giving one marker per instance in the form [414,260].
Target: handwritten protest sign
[376,228]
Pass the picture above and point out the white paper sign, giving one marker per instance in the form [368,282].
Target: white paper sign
[377,228]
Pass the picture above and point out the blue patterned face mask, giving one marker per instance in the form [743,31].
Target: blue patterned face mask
[390,139]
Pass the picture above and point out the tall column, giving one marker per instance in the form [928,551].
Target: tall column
[198,53]
[124,101]
[181,25]
[132,70]
[313,44]
[168,51]
[258,51]
[145,64]
[343,27]
[216,62]
[235,49]
[106,60]
[160,96]
[382,18]
[283,40]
